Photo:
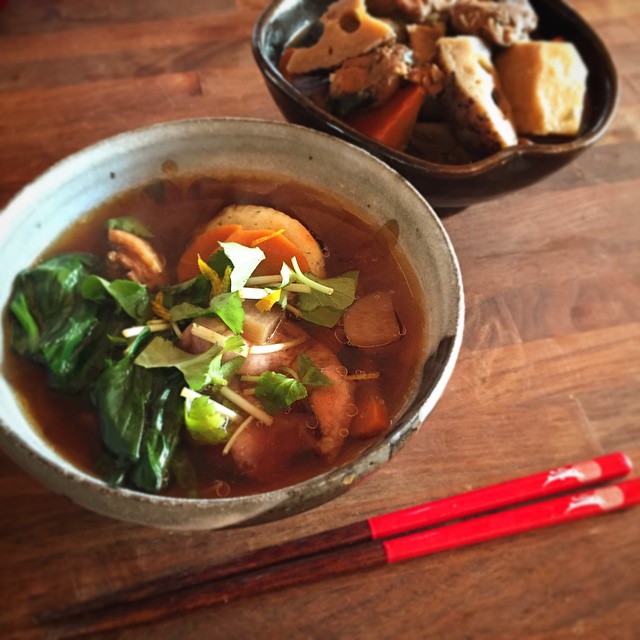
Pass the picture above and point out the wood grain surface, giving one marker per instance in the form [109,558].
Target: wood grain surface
[549,371]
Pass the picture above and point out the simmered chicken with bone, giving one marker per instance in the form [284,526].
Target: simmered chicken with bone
[251,352]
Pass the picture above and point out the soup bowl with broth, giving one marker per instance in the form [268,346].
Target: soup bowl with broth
[297,314]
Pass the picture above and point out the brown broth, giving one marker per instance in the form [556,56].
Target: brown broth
[174,209]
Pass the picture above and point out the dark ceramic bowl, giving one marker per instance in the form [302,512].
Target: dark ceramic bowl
[450,186]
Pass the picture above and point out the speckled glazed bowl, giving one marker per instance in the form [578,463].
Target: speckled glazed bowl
[449,186]
[78,184]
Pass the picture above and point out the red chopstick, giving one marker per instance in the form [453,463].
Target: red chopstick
[517,520]
[335,552]
[538,485]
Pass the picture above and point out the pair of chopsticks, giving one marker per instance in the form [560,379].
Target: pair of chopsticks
[367,544]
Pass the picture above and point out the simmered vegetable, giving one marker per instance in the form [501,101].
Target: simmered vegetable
[471,67]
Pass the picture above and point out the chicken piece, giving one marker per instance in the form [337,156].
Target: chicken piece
[502,22]
[263,452]
[257,217]
[472,96]
[371,78]
[137,257]
[333,404]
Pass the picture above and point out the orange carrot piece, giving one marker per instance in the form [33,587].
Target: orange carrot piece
[277,249]
[284,61]
[203,245]
[372,418]
[391,123]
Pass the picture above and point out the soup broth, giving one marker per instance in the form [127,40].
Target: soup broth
[177,208]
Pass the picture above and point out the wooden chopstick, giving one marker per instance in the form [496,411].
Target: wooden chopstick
[359,546]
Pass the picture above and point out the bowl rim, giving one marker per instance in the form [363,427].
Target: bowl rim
[434,169]
[345,474]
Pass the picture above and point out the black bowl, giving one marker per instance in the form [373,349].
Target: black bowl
[450,186]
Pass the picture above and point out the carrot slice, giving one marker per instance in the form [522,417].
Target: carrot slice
[391,123]
[277,249]
[284,61]
[203,245]
[372,418]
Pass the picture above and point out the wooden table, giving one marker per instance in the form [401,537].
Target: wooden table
[549,371]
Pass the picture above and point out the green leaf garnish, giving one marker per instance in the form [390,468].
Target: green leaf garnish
[204,422]
[200,369]
[219,373]
[277,391]
[323,309]
[131,296]
[161,352]
[227,306]
[196,291]
[309,374]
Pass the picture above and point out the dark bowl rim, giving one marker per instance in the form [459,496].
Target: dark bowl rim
[445,171]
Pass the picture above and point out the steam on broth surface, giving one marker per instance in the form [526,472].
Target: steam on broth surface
[329,394]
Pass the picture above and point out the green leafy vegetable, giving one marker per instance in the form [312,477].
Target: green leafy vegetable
[120,396]
[140,418]
[277,391]
[56,326]
[219,373]
[196,291]
[219,262]
[184,473]
[130,225]
[227,306]
[161,436]
[324,309]
[132,297]
[199,370]
[162,353]
[204,422]
[309,374]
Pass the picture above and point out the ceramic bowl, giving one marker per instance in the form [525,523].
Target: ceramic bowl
[450,186]
[76,185]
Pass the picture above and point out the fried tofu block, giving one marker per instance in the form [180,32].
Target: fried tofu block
[545,83]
